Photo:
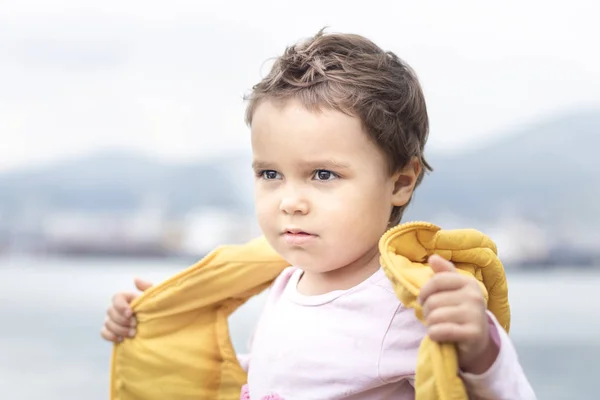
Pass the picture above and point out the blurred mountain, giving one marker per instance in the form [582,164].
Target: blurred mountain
[118,182]
[547,172]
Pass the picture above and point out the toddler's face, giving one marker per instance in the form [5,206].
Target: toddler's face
[323,192]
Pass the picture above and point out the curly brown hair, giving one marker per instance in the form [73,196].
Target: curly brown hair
[351,74]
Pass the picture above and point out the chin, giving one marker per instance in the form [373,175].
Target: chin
[312,264]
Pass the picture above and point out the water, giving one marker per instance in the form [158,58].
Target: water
[51,312]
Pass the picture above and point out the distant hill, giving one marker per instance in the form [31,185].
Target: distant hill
[122,182]
[548,172]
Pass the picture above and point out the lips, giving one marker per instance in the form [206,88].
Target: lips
[297,237]
[296,232]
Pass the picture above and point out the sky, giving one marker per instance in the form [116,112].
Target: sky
[167,78]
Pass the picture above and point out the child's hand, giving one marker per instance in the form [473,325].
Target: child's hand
[454,310]
[120,321]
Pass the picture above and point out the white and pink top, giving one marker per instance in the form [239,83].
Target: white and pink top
[360,343]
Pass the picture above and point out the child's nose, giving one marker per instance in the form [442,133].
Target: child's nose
[293,204]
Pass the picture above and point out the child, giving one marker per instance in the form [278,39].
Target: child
[338,130]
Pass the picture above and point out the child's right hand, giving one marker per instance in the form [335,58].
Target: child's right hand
[120,321]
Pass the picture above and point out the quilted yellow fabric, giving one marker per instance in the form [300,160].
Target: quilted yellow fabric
[404,252]
[182,349]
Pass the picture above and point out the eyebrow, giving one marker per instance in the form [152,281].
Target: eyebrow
[325,164]
[317,164]
[262,165]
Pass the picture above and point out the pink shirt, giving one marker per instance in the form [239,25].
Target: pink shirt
[354,344]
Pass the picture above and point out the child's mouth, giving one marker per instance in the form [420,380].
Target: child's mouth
[297,237]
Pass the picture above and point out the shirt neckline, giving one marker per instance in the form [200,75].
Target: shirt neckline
[291,290]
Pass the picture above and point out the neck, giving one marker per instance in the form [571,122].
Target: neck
[344,278]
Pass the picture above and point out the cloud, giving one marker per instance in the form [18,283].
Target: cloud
[168,78]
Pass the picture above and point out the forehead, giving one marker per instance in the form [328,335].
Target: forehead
[289,130]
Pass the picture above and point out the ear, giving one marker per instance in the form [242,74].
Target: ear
[405,181]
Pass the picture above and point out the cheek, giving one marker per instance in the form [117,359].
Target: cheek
[264,207]
[364,206]
[365,223]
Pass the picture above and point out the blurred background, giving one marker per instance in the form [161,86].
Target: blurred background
[123,153]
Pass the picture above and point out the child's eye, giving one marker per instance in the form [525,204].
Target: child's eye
[269,174]
[324,175]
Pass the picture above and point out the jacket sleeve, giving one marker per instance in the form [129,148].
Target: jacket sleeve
[505,379]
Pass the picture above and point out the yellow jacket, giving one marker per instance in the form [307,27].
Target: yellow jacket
[182,349]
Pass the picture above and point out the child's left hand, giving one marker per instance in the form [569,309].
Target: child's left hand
[454,310]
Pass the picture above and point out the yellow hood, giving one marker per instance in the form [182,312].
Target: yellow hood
[182,349]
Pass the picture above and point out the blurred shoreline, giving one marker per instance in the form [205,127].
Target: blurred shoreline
[540,214]
[88,255]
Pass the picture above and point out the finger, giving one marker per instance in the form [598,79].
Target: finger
[121,303]
[120,319]
[454,314]
[108,335]
[142,285]
[118,330]
[455,333]
[440,282]
[440,264]
[444,299]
